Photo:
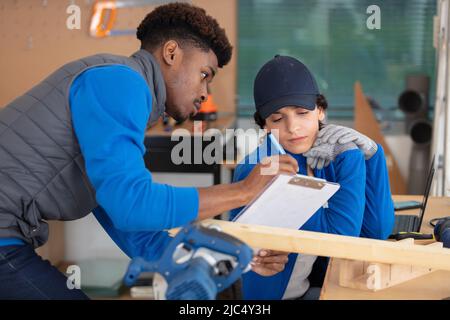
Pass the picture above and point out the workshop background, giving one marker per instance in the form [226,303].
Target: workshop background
[331,37]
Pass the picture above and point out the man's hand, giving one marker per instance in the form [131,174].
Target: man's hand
[220,198]
[264,172]
[332,140]
[269,262]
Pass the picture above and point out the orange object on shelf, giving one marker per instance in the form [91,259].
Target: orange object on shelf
[207,111]
[103,18]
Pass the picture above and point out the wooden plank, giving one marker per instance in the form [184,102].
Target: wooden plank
[330,245]
[376,276]
[434,286]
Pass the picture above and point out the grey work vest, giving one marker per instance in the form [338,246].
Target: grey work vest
[42,172]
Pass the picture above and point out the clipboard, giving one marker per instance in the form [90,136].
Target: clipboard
[288,201]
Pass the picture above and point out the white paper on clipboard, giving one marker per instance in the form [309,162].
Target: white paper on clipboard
[288,201]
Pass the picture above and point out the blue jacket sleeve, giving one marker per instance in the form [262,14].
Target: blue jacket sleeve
[379,212]
[110,107]
[344,214]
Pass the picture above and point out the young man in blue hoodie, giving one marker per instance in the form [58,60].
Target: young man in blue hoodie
[290,106]
[74,144]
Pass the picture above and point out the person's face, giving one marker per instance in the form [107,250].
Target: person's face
[187,72]
[295,128]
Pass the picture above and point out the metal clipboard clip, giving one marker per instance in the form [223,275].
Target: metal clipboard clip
[309,183]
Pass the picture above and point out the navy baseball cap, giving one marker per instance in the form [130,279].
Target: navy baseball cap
[284,81]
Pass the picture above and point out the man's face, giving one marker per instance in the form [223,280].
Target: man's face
[295,128]
[187,81]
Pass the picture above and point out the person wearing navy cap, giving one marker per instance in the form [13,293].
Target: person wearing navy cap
[290,107]
[284,81]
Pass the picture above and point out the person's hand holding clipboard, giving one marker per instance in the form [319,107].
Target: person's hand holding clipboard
[288,201]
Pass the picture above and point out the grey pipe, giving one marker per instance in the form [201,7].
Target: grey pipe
[419,161]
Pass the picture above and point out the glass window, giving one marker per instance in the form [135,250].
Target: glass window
[332,39]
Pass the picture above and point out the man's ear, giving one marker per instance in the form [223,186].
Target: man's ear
[321,113]
[172,52]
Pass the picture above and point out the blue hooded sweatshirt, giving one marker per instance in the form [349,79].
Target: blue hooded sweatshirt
[361,207]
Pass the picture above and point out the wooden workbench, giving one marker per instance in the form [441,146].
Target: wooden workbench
[435,285]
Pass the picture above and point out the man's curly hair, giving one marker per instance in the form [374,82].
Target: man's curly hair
[185,23]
